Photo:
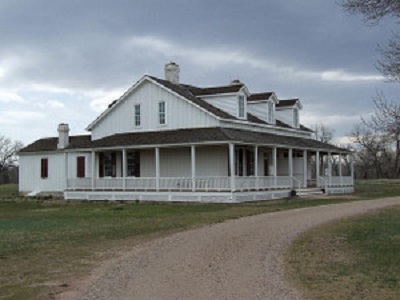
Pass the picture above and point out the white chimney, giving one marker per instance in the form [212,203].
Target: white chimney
[63,136]
[172,72]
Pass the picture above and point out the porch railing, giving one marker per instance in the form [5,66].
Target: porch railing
[219,184]
[335,181]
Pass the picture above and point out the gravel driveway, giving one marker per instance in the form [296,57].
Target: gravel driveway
[238,259]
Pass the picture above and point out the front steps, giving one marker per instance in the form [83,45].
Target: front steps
[306,192]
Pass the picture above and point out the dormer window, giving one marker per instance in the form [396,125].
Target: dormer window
[295,118]
[270,112]
[241,106]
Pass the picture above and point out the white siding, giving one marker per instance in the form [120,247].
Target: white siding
[73,165]
[259,109]
[176,162]
[287,115]
[180,113]
[30,173]
[228,103]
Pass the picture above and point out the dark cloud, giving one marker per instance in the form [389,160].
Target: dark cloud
[284,46]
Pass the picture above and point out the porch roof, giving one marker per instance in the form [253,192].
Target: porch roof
[183,137]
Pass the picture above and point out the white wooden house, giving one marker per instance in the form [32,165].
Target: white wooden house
[167,141]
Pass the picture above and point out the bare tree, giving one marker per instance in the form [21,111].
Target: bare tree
[8,157]
[373,11]
[386,121]
[372,149]
[323,133]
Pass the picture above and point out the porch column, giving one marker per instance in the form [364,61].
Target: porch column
[317,167]
[340,169]
[305,171]
[329,158]
[352,168]
[274,165]
[193,160]
[256,166]
[290,162]
[124,168]
[232,165]
[157,152]
[93,170]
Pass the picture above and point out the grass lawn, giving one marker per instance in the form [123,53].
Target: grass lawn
[358,258]
[44,243]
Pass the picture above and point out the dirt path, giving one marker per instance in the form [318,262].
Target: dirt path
[239,259]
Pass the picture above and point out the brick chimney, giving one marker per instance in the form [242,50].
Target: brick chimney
[172,72]
[63,136]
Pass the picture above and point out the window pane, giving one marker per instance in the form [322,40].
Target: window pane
[241,106]
[137,115]
[161,112]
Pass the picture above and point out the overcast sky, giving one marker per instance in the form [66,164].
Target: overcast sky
[64,61]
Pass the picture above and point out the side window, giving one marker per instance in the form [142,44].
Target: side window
[137,115]
[241,106]
[80,167]
[44,168]
[161,113]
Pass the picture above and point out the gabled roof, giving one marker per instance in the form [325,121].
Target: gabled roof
[214,90]
[288,103]
[259,96]
[192,94]
[182,137]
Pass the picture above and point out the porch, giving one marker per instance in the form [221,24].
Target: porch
[259,172]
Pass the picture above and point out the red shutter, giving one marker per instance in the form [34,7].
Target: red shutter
[80,170]
[44,168]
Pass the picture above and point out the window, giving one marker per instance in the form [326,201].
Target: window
[44,168]
[108,164]
[241,106]
[270,112]
[80,166]
[134,163]
[137,115]
[161,113]
[296,117]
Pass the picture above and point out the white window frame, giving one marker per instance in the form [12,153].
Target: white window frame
[162,114]
[138,115]
[241,107]
[270,112]
[296,121]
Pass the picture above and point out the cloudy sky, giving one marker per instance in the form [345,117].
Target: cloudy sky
[64,61]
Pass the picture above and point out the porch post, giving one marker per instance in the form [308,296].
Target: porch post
[232,165]
[274,165]
[340,169]
[290,162]
[157,152]
[352,168]
[256,166]
[329,158]
[193,160]
[305,171]
[317,167]
[124,168]
[93,169]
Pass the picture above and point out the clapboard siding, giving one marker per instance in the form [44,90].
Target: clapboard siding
[30,173]
[179,113]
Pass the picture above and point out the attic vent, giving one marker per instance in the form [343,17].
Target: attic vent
[236,82]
